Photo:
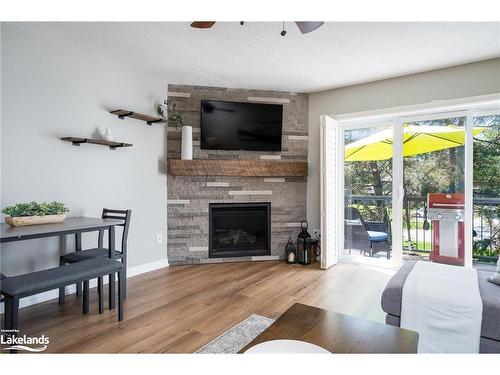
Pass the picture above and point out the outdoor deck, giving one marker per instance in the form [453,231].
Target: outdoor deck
[417,242]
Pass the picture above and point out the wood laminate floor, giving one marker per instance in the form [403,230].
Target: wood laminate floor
[181,308]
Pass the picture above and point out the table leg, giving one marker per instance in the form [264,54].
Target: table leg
[78,247]
[62,291]
[112,284]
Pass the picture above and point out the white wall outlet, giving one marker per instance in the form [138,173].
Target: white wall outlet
[316,233]
[159,238]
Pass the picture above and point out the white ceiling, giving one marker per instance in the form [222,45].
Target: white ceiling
[257,56]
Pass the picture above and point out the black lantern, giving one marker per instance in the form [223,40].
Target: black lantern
[290,252]
[304,245]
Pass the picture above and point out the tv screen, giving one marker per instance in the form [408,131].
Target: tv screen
[241,126]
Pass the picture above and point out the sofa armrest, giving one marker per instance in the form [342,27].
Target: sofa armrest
[393,292]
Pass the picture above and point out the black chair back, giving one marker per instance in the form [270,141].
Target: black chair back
[352,213]
[118,215]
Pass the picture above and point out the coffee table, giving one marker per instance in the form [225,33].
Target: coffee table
[337,333]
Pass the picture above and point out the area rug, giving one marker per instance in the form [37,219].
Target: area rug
[237,337]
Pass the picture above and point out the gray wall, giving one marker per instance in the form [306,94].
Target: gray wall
[468,80]
[50,91]
[189,197]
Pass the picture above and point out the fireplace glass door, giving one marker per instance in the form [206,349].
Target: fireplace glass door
[241,229]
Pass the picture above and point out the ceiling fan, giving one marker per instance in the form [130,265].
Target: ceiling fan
[304,26]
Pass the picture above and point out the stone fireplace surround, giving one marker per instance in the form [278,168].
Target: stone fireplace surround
[189,196]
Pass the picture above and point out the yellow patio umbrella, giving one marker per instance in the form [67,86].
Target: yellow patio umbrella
[416,140]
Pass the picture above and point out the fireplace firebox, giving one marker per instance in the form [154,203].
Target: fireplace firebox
[239,229]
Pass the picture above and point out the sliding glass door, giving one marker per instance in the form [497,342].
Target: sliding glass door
[434,188]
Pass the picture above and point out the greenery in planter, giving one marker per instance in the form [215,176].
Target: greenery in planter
[35,209]
[168,110]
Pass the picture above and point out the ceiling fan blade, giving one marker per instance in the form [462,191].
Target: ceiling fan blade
[202,24]
[308,26]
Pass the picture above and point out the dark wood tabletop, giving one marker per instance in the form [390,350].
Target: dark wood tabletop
[337,333]
[77,224]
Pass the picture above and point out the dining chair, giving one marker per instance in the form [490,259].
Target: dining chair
[102,252]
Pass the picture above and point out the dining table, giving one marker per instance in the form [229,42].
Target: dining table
[75,225]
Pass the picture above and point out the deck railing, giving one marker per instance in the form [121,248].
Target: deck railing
[417,235]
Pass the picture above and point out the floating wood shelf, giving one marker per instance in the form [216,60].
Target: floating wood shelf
[237,168]
[112,145]
[150,120]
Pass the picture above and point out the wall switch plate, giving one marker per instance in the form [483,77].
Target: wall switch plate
[316,233]
[159,238]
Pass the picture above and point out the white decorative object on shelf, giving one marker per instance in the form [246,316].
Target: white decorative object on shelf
[187,143]
[108,135]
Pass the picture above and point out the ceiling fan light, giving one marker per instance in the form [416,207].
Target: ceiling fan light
[202,24]
[308,26]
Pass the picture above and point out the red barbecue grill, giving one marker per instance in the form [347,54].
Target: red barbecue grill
[447,214]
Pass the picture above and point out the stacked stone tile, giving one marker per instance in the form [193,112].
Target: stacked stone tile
[189,197]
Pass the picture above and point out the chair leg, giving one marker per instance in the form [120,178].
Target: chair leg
[62,291]
[62,295]
[15,314]
[78,289]
[86,297]
[121,294]
[100,292]
[112,291]
[7,321]
[124,273]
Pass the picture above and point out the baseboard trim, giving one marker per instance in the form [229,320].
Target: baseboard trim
[51,294]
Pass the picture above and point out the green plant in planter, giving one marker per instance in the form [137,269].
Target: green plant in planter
[35,209]
[168,110]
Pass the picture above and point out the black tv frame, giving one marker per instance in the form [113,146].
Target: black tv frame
[239,102]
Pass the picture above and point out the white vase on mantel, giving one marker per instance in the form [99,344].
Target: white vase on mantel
[187,143]
[108,135]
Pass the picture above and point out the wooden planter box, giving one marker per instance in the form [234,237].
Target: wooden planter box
[20,221]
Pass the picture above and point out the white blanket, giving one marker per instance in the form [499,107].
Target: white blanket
[442,303]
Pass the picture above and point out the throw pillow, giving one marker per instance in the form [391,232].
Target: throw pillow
[495,279]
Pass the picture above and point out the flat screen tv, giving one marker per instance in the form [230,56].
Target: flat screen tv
[241,126]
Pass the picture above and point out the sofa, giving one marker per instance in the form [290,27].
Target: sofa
[490,295]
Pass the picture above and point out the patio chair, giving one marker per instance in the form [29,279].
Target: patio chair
[369,237]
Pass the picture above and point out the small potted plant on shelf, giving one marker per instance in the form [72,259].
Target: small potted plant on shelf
[168,110]
[35,213]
